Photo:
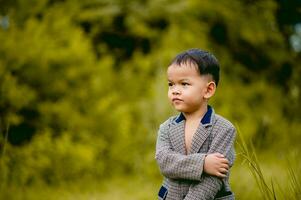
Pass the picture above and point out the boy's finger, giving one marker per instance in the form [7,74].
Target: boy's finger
[225,161]
[220,175]
[220,155]
[225,166]
[223,170]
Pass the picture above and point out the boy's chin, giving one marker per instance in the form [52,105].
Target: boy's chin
[179,109]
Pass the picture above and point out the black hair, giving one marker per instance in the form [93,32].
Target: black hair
[206,62]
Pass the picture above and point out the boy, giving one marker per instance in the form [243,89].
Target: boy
[194,150]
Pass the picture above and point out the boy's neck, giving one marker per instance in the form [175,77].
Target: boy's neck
[196,115]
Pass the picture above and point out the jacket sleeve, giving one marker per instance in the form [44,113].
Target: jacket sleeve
[209,185]
[175,165]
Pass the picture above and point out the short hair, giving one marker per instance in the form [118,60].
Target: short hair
[205,61]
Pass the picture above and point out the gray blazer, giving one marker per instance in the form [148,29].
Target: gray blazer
[183,174]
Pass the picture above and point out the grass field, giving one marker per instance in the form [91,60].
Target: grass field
[145,188]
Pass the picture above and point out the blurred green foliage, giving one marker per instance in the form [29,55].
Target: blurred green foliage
[83,86]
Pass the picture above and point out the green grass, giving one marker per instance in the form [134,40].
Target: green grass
[121,187]
[275,178]
[268,175]
[117,188]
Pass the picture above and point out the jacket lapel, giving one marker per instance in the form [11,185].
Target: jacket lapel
[199,138]
[203,131]
[176,135]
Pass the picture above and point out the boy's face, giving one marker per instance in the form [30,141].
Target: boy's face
[188,90]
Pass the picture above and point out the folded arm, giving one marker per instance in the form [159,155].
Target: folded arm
[175,165]
[190,167]
[209,185]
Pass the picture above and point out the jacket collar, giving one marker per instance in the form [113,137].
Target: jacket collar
[205,121]
[177,130]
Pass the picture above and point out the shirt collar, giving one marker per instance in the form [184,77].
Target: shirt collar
[206,120]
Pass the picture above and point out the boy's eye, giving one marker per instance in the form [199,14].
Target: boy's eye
[170,84]
[185,84]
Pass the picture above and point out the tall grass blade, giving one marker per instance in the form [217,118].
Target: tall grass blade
[295,183]
[249,154]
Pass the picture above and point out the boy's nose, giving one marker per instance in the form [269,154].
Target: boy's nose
[175,91]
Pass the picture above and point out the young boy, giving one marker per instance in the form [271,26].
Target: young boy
[194,149]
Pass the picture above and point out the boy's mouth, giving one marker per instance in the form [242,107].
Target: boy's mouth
[176,99]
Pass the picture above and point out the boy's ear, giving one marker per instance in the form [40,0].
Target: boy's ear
[210,90]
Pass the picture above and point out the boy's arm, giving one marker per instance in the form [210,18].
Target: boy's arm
[206,189]
[175,165]
[209,185]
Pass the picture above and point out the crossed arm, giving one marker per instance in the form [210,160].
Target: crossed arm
[175,165]
[190,167]
[209,185]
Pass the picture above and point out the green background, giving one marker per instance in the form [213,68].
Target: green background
[84,90]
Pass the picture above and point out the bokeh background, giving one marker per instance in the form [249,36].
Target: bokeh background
[83,92]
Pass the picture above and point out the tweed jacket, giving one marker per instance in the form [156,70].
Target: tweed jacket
[184,178]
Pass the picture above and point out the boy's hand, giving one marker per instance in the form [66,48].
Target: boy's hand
[216,164]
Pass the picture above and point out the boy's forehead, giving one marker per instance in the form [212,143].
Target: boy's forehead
[183,69]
